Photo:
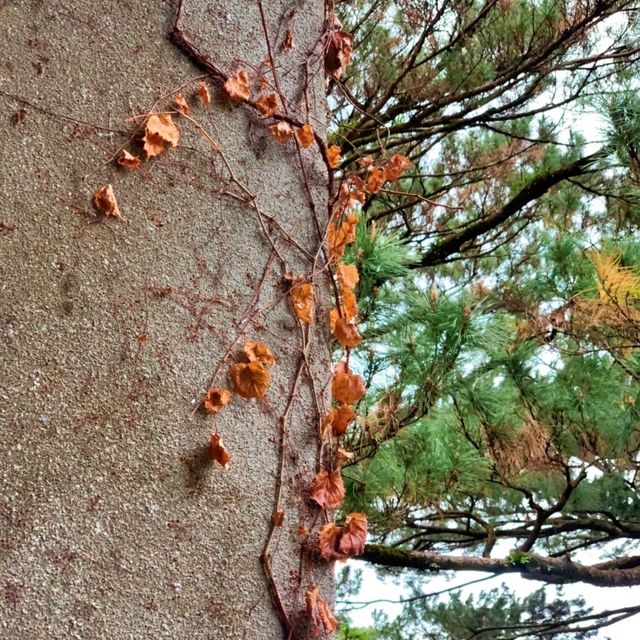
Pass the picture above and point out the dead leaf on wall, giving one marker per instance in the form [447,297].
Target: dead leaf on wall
[217,451]
[160,130]
[104,200]
[302,301]
[250,379]
[128,160]
[304,134]
[268,105]
[327,489]
[237,86]
[204,94]
[215,399]
[281,131]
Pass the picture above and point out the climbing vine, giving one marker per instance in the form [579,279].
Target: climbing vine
[249,376]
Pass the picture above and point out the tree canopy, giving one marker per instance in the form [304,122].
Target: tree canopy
[499,293]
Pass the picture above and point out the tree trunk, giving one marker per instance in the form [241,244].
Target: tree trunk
[114,521]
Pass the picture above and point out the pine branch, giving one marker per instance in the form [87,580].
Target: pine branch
[538,187]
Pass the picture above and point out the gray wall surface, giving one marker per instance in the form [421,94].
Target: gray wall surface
[112,522]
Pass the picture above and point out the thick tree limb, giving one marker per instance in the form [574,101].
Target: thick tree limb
[538,187]
[534,567]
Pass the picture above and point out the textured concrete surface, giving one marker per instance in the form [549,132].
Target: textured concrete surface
[111,523]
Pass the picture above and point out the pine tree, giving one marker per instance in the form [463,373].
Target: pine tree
[499,292]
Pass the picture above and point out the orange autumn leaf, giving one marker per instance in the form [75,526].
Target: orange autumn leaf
[268,105]
[333,319]
[302,300]
[337,52]
[215,399]
[159,130]
[302,531]
[237,87]
[250,379]
[341,235]
[396,166]
[333,155]
[353,535]
[376,180]
[153,145]
[260,352]
[181,105]
[329,540]
[128,160]
[287,43]
[277,518]
[341,416]
[327,489]
[340,543]
[347,387]
[349,308]
[346,333]
[322,621]
[204,94]
[304,134]
[349,304]
[217,451]
[104,200]
[329,621]
[348,276]
[281,131]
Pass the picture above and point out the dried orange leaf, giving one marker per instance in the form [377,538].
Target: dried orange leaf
[329,621]
[128,160]
[278,518]
[333,318]
[181,105]
[327,489]
[349,304]
[347,387]
[341,416]
[160,129]
[347,275]
[329,540]
[305,135]
[259,351]
[287,43]
[163,126]
[333,154]
[354,535]
[104,200]
[302,531]
[215,399]
[217,451]
[302,300]
[250,380]
[204,94]
[281,131]
[376,180]
[322,621]
[237,87]
[341,235]
[396,166]
[153,145]
[337,52]
[346,333]
[268,105]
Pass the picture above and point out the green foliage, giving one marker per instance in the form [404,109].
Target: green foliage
[504,378]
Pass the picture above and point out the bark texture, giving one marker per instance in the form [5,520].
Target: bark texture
[622,572]
[113,523]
